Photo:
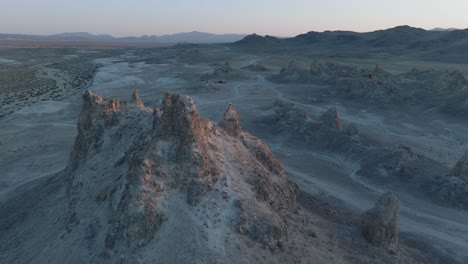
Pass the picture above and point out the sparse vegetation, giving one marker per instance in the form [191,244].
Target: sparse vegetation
[27,83]
[80,71]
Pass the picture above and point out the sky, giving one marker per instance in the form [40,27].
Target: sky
[272,17]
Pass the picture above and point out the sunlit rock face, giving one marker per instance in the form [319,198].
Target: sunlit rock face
[135,173]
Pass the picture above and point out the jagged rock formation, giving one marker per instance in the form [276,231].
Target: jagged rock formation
[348,80]
[231,121]
[392,166]
[294,73]
[222,72]
[136,98]
[331,119]
[138,180]
[327,131]
[379,225]
[461,167]
[436,82]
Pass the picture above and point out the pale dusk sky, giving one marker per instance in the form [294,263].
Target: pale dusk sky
[273,17]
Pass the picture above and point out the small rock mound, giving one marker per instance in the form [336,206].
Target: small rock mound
[255,67]
[331,119]
[231,121]
[461,167]
[379,225]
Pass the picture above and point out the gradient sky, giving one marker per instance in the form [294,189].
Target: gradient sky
[273,17]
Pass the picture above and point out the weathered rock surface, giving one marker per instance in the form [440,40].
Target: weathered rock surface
[231,121]
[438,82]
[379,225]
[136,177]
[347,80]
[326,131]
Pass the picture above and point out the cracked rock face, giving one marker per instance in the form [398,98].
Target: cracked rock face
[379,225]
[136,173]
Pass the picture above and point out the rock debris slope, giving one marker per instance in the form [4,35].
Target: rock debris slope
[174,183]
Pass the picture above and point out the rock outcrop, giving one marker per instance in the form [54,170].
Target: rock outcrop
[347,80]
[231,121]
[136,98]
[138,180]
[461,167]
[255,67]
[326,131]
[379,225]
[223,72]
[224,69]
[438,82]
[331,119]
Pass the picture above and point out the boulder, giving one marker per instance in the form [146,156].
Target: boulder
[379,225]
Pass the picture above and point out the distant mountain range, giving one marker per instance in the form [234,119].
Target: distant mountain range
[442,45]
[444,29]
[381,38]
[189,37]
[401,36]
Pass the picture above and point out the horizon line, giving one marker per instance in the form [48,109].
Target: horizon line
[205,32]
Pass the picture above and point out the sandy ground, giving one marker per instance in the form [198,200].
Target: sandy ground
[35,141]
